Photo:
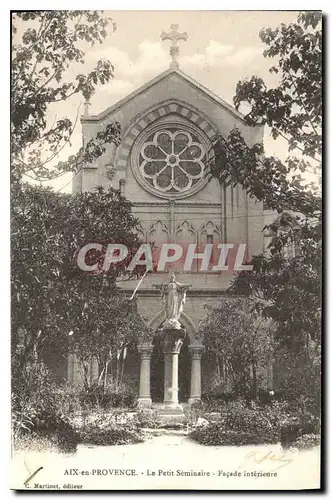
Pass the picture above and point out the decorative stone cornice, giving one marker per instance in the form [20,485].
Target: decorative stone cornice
[180,204]
[145,349]
[203,292]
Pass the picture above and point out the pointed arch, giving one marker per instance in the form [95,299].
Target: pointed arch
[185,320]
[210,228]
[186,228]
[160,228]
[141,231]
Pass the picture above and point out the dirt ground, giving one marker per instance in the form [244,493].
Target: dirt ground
[170,461]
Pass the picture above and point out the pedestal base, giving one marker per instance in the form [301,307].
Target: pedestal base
[144,402]
[172,416]
[172,410]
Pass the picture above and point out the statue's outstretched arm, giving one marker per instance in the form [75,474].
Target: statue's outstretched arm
[182,286]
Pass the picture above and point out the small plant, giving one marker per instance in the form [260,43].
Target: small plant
[241,423]
[110,396]
[148,418]
[117,429]
[36,412]
[307,441]
[214,435]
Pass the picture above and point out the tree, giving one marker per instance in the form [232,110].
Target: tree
[293,109]
[51,295]
[46,44]
[238,343]
[107,330]
[284,288]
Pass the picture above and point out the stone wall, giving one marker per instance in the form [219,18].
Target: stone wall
[232,216]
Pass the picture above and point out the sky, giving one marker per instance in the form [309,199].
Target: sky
[223,47]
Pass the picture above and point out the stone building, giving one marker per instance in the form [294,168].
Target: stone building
[167,128]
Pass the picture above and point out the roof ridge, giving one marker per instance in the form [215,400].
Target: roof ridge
[154,81]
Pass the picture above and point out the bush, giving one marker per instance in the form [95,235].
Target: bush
[115,430]
[253,424]
[218,395]
[254,419]
[295,427]
[111,436]
[307,441]
[67,399]
[36,411]
[148,418]
[57,430]
[214,435]
[108,397]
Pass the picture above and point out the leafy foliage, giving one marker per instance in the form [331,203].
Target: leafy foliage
[55,305]
[109,396]
[284,285]
[51,296]
[241,422]
[293,109]
[237,341]
[213,435]
[307,441]
[240,425]
[46,45]
[35,410]
[107,431]
[267,179]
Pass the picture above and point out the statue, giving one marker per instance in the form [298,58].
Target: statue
[173,297]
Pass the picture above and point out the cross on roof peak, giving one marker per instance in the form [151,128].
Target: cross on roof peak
[174,36]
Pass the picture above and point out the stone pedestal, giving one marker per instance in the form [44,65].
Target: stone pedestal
[144,399]
[195,386]
[172,340]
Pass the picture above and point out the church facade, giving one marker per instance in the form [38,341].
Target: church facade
[161,167]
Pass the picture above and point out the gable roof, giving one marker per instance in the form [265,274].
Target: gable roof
[187,79]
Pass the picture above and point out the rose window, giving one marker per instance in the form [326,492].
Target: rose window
[172,160]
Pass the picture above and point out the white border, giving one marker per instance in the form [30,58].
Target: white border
[4,184]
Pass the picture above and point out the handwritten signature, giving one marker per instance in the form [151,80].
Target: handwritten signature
[31,475]
[268,457]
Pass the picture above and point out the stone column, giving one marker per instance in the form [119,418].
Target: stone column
[168,377]
[172,343]
[195,386]
[144,398]
[122,183]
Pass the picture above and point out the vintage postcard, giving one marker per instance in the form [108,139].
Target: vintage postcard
[166,250]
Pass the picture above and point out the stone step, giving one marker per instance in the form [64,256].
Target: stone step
[165,432]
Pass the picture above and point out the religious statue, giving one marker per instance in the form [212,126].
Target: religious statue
[173,297]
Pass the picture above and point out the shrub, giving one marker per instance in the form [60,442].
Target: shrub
[307,441]
[295,427]
[237,416]
[36,412]
[110,396]
[67,399]
[57,430]
[217,394]
[114,430]
[148,418]
[92,434]
[253,424]
[214,435]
